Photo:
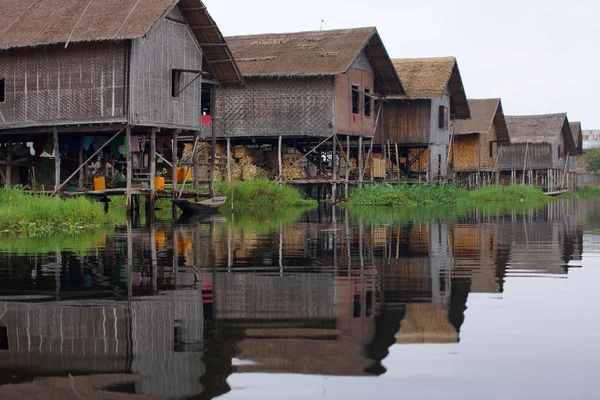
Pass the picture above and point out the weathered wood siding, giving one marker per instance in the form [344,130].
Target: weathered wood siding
[345,121]
[273,107]
[406,121]
[52,85]
[538,156]
[170,45]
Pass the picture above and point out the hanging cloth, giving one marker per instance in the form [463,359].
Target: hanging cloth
[135,144]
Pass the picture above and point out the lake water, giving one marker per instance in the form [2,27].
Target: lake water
[494,303]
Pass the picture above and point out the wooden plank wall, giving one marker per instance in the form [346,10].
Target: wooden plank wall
[406,121]
[272,107]
[54,85]
[513,156]
[170,45]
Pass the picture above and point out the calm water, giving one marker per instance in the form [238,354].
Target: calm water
[454,304]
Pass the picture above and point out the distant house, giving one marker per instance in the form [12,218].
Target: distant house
[72,69]
[421,122]
[539,150]
[474,151]
[591,139]
[306,87]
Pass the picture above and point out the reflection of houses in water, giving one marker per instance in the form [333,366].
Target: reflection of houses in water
[158,338]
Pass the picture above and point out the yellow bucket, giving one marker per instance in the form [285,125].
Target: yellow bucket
[184,174]
[99,183]
[159,183]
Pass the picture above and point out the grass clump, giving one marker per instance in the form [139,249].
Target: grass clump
[587,191]
[407,195]
[262,193]
[25,214]
[428,195]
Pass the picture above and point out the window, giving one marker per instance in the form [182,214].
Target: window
[491,149]
[355,99]
[2,90]
[443,117]
[175,83]
[4,338]
[367,102]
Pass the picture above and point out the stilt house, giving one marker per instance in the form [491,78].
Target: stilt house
[421,123]
[539,150]
[79,76]
[307,92]
[474,148]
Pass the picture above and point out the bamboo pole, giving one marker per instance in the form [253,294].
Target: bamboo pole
[397,160]
[334,169]
[371,157]
[229,178]
[279,159]
[174,157]
[525,163]
[361,173]
[9,165]
[152,162]
[196,166]
[81,161]
[348,166]
[88,160]
[213,150]
[56,161]
[307,154]
[129,166]
[187,172]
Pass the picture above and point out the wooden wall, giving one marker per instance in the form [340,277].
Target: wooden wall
[466,149]
[406,122]
[513,156]
[345,121]
[273,107]
[170,45]
[52,85]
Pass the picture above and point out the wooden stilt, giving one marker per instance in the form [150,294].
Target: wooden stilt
[213,150]
[372,177]
[195,165]
[56,160]
[174,166]
[348,167]
[229,177]
[129,167]
[279,159]
[81,161]
[9,165]
[397,161]
[334,165]
[361,173]
[152,161]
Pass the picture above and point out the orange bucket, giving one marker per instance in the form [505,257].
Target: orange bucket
[184,174]
[99,183]
[159,183]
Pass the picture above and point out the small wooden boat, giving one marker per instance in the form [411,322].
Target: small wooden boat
[556,193]
[200,207]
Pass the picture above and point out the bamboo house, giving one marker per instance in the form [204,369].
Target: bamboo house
[539,151]
[476,142]
[105,82]
[418,125]
[309,99]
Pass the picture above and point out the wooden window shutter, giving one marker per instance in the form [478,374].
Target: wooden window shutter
[443,117]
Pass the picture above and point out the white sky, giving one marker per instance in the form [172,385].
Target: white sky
[538,56]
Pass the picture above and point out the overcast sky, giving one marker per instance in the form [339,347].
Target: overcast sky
[538,56]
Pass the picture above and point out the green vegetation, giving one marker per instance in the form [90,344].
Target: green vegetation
[262,193]
[434,195]
[25,214]
[263,221]
[587,191]
[591,159]
[45,244]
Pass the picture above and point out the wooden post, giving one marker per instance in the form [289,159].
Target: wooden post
[129,167]
[279,149]
[348,166]
[9,165]
[397,161]
[372,165]
[81,161]
[56,160]
[152,162]
[174,167]
[195,165]
[229,177]
[213,150]
[389,148]
[361,173]
[334,165]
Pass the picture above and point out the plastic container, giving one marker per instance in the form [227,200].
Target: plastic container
[184,174]
[99,183]
[159,183]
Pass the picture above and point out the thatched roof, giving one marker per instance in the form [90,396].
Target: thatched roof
[427,78]
[577,136]
[484,112]
[27,23]
[314,54]
[540,129]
